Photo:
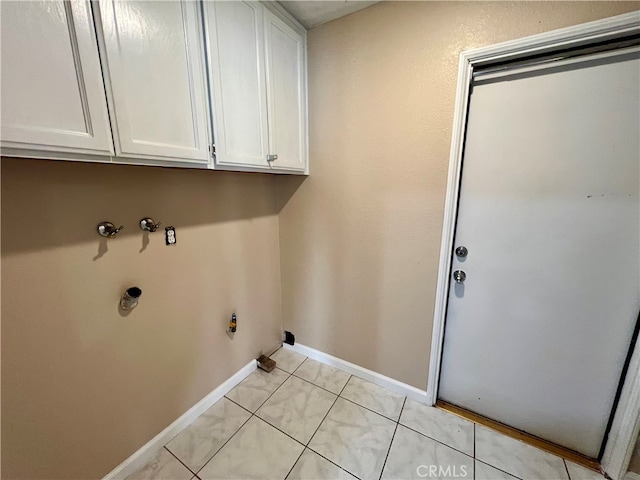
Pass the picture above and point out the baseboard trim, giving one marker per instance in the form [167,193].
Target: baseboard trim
[632,476]
[366,374]
[142,455]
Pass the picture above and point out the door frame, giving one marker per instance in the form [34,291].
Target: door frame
[626,425]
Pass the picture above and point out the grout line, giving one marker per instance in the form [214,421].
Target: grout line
[566,467]
[295,463]
[334,463]
[244,408]
[225,443]
[322,421]
[176,457]
[271,394]
[310,382]
[345,385]
[388,450]
[474,450]
[401,410]
[281,431]
[493,466]
[285,350]
[316,385]
[237,430]
[436,440]
[296,369]
[372,411]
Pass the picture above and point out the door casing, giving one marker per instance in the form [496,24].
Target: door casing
[626,424]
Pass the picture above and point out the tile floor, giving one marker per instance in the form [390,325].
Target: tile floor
[306,420]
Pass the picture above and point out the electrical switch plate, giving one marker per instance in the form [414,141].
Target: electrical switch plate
[170,235]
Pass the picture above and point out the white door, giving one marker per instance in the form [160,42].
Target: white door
[235,38]
[549,211]
[52,90]
[155,67]
[286,94]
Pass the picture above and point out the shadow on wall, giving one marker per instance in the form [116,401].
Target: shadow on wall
[287,186]
[60,203]
[114,382]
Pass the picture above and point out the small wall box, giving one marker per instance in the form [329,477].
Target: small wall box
[265,363]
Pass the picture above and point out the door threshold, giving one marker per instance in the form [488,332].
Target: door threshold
[527,438]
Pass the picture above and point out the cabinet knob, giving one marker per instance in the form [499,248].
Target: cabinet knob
[271,158]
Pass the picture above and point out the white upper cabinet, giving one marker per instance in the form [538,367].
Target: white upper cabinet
[286,93]
[155,82]
[238,84]
[257,74]
[52,89]
[154,70]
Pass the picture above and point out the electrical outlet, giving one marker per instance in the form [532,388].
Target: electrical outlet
[170,235]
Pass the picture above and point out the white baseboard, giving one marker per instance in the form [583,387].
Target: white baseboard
[369,375]
[149,449]
[632,476]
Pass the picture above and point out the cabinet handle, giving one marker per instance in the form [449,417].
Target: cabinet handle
[271,158]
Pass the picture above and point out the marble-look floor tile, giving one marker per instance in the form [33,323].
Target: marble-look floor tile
[258,451]
[197,443]
[312,466]
[287,360]
[413,455]
[578,472]
[297,408]
[163,466]
[516,457]
[487,472]
[256,388]
[354,438]
[322,375]
[438,424]
[376,398]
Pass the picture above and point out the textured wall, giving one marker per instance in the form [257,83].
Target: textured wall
[84,387]
[360,238]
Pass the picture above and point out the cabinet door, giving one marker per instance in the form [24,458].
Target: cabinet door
[235,36]
[155,69]
[286,94]
[52,89]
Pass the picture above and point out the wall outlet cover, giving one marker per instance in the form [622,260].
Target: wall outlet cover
[170,235]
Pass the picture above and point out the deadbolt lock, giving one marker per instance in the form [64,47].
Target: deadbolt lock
[459,276]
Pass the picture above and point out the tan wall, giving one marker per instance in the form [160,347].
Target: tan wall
[84,387]
[360,238]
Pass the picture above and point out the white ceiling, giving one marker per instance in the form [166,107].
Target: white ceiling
[312,13]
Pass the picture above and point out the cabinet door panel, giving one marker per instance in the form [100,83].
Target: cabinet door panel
[155,62]
[286,94]
[52,88]
[236,68]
